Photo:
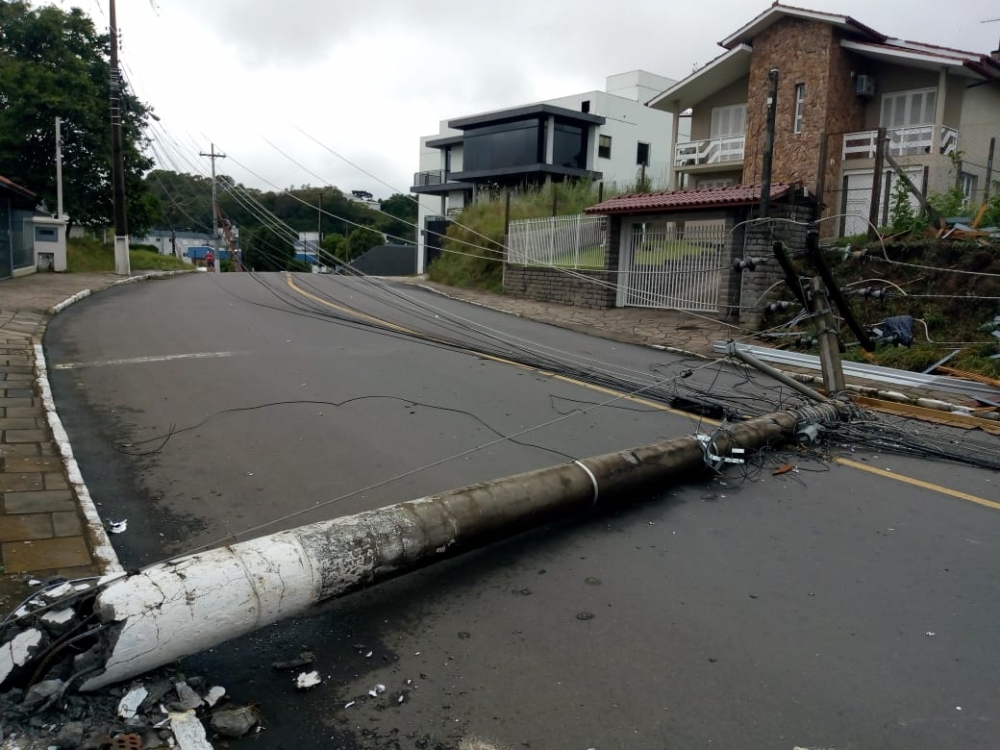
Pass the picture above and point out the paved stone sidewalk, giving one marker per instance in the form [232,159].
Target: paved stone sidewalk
[42,532]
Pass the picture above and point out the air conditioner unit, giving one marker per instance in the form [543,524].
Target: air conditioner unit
[864,85]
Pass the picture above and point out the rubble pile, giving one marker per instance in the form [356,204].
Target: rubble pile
[51,643]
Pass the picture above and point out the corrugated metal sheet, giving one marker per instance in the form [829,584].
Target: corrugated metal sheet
[863,371]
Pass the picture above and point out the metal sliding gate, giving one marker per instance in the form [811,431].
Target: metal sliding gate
[673,265]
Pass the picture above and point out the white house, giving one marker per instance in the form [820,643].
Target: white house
[607,136]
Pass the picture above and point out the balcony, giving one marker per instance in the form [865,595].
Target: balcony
[435,181]
[726,151]
[914,141]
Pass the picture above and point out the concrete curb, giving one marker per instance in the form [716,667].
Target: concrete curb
[100,543]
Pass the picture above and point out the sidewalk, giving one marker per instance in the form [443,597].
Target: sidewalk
[43,529]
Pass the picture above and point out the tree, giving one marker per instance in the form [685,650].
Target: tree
[361,240]
[53,63]
[403,209]
[334,246]
[266,250]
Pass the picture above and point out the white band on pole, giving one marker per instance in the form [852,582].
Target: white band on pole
[593,479]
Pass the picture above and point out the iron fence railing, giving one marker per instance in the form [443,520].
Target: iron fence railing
[576,242]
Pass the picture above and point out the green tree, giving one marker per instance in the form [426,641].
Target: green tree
[361,240]
[53,63]
[266,250]
[334,246]
[403,210]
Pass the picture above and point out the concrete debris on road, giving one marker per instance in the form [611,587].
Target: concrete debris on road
[164,710]
[307,680]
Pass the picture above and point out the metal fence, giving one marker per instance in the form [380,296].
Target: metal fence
[576,242]
[674,265]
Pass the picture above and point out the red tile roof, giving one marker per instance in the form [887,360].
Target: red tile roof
[680,200]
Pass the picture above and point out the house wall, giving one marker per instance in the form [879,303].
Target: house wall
[980,121]
[806,52]
[628,123]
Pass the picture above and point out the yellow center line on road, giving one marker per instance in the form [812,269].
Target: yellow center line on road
[918,483]
[645,402]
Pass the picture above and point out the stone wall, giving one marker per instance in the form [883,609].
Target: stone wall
[809,53]
[594,289]
[756,286]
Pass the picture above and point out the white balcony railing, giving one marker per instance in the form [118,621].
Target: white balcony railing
[921,139]
[709,151]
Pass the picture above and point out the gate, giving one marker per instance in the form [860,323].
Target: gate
[673,264]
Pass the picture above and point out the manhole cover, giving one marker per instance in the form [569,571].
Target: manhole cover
[126,742]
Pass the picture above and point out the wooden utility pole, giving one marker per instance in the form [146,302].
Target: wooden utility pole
[215,215]
[876,185]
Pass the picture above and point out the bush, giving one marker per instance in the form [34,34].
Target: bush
[473,250]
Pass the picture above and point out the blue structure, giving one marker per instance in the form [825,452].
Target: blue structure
[197,253]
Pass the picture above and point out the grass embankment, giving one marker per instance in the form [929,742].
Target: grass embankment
[89,255]
[948,308]
[473,249]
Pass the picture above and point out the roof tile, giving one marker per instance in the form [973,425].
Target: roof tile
[679,200]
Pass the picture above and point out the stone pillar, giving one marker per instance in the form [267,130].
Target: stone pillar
[766,283]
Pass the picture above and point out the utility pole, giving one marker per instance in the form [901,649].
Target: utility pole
[876,184]
[59,189]
[215,214]
[829,347]
[765,178]
[122,264]
[319,225]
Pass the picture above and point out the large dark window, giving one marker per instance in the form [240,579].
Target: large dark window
[569,147]
[510,144]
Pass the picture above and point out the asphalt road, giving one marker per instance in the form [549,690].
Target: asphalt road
[828,607]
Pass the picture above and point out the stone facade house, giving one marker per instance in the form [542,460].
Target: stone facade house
[839,81]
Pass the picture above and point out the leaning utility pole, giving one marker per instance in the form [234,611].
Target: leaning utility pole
[215,214]
[122,265]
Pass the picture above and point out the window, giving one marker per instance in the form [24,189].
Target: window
[728,121]
[604,146]
[511,144]
[907,109]
[569,145]
[800,107]
[642,154]
[585,105]
[967,182]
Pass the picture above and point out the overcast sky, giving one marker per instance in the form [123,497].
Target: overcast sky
[367,78]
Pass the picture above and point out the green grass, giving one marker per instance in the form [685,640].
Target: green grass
[88,255]
[659,252]
[591,258]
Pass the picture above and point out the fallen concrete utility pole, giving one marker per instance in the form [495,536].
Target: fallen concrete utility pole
[189,604]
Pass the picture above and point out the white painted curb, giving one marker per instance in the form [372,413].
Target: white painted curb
[103,551]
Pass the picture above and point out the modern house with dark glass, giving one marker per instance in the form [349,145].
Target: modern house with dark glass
[604,136]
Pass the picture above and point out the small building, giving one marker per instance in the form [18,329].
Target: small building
[29,239]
